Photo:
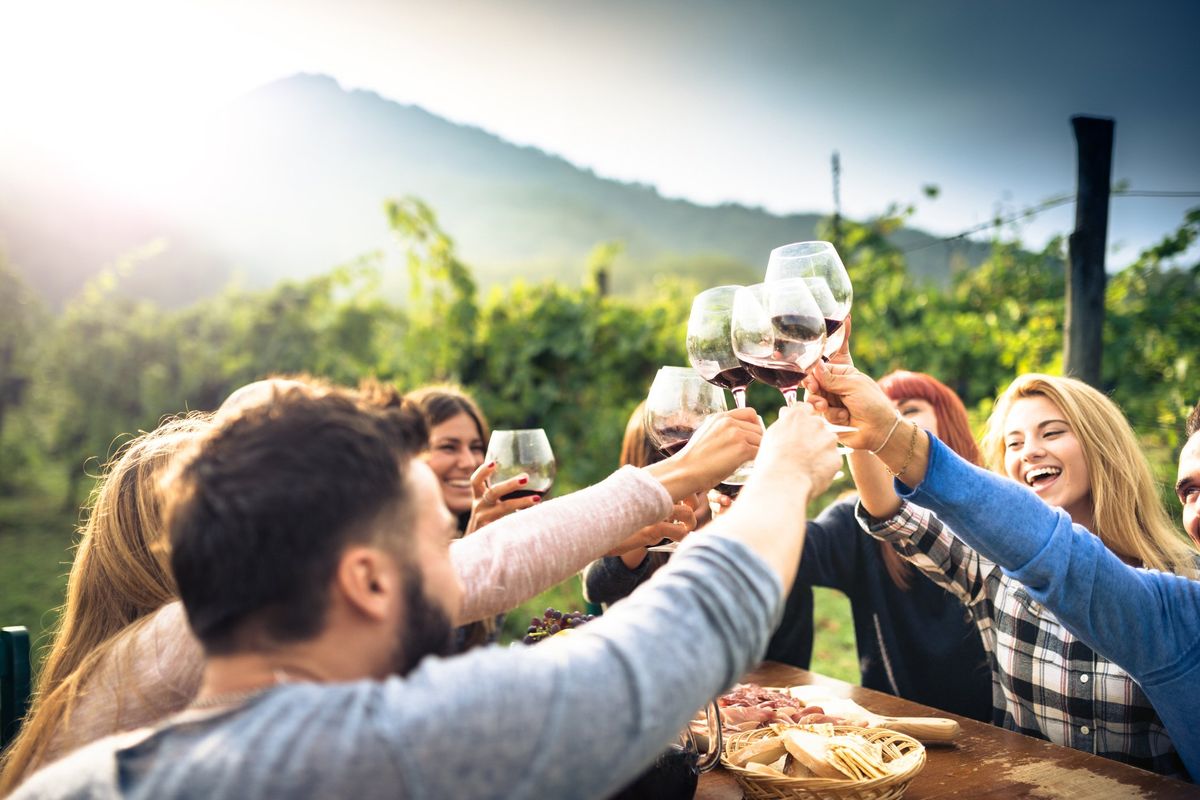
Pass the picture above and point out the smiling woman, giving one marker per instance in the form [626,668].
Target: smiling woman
[1074,448]
[1071,446]
[458,434]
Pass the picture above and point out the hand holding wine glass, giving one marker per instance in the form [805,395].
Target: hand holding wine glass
[488,505]
[678,403]
[518,453]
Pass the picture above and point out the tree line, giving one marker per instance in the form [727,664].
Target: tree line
[570,359]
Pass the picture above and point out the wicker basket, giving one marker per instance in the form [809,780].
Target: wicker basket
[758,786]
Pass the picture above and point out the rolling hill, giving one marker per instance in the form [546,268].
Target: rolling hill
[290,179]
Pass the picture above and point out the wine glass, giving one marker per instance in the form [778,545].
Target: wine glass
[821,266]
[522,451]
[710,352]
[678,403]
[709,348]
[779,331]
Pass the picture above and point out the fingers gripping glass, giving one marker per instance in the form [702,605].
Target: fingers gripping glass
[680,401]
[522,451]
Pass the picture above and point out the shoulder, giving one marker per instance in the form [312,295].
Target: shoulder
[89,772]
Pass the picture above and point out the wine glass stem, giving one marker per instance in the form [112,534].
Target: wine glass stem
[789,395]
[739,396]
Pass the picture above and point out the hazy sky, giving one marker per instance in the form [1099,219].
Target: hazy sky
[711,101]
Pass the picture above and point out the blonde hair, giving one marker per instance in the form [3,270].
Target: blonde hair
[1127,512]
[121,574]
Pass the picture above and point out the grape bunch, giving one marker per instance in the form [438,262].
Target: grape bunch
[552,622]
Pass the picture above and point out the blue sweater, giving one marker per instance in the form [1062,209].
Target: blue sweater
[1147,622]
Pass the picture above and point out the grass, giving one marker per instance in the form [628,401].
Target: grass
[36,539]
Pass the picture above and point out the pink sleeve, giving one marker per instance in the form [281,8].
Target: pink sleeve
[514,558]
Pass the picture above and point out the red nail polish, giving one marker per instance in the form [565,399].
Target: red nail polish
[492,464]
[537,499]
[523,481]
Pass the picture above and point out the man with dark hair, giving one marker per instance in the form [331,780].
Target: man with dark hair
[1187,484]
[312,555]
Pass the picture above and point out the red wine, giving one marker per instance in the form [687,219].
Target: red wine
[832,325]
[733,378]
[730,490]
[524,493]
[798,339]
[671,449]
[675,438]
[776,376]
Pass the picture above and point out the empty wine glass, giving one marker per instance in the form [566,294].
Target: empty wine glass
[779,331]
[522,451]
[678,403]
[821,266]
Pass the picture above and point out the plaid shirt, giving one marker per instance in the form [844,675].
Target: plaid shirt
[1045,682]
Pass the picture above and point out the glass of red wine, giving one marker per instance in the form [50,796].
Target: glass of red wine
[710,352]
[778,330]
[821,266]
[522,451]
[678,403]
[709,348]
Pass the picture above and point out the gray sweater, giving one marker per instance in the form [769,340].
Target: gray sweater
[575,717]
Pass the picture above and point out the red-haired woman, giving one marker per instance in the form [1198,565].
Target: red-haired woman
[915,639]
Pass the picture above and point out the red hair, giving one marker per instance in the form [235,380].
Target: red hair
[953,427]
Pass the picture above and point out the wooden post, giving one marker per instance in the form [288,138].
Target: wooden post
[1083,337]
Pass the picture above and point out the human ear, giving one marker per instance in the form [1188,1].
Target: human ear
[365,579]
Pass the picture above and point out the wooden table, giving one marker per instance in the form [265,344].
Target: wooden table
[984,761]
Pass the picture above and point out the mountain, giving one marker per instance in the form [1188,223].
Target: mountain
[290,180]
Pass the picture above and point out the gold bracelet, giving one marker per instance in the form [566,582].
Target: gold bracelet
[887,438]
[912,448]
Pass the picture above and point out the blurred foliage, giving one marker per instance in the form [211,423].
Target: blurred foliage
[565,358]
[568,359]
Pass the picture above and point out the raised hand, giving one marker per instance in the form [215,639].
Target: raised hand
[488,506]
[846,396]
[722,443]
[798,449]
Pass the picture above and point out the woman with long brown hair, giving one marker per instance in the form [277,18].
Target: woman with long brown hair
[120,581]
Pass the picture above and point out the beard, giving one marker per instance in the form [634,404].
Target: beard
[425,628]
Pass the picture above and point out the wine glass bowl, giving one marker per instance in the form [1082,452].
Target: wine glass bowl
[709,348]
[678,403]
[821,266]
[778,329]
[522,451]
